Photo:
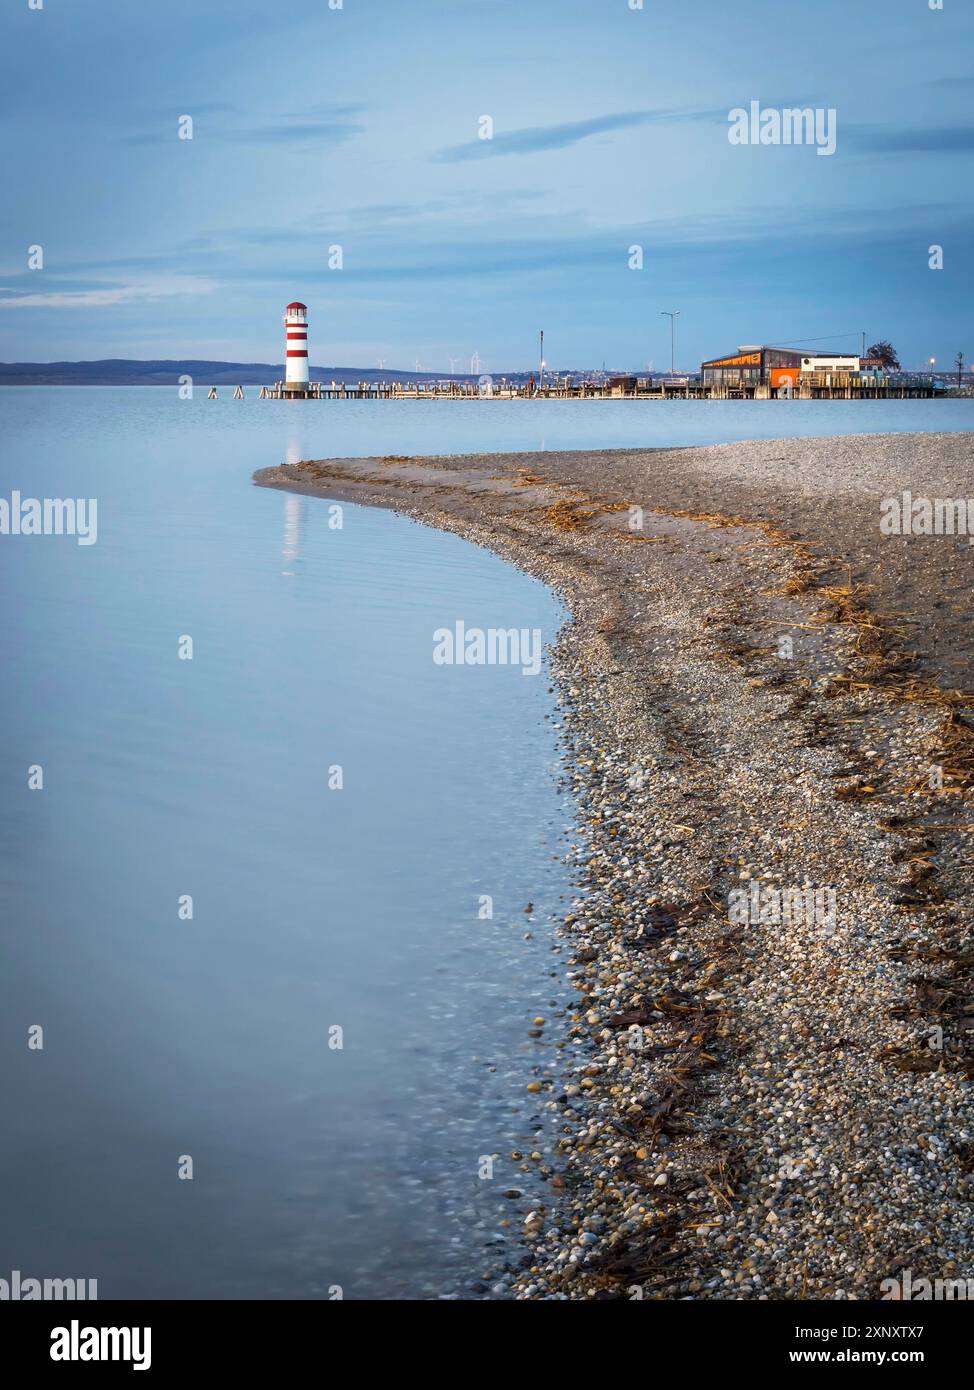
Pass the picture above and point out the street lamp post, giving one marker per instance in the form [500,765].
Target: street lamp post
[672,316]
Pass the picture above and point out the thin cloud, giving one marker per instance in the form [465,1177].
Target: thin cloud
[559,137]
[298,132]
[191,108]
[108,297]
[333,124]
[936,140]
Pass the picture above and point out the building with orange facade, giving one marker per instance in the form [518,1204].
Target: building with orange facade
[775,367]
[755,366]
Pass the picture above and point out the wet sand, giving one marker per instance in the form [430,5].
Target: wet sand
[765,706]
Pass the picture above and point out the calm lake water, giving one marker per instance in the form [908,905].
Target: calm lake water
[313,907]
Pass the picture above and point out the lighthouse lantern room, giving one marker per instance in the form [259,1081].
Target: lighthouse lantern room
[296,348]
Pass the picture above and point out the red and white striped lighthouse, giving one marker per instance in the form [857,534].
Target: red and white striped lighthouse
[296,347]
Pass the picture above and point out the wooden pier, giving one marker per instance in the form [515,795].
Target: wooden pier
[831,386]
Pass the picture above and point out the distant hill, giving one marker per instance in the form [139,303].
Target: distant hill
[123,371]
[128,371]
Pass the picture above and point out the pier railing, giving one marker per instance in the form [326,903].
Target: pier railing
[809,386]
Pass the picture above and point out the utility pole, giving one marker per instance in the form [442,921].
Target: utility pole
[541,366]
[672,316]
[959,362]
[863,342]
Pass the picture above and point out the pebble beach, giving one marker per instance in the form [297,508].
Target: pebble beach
[763,1088]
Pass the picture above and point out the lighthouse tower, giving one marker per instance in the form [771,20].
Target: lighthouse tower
[296,348]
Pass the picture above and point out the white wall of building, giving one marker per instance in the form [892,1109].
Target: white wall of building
[830,364]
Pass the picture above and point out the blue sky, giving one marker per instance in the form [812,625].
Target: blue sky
[358,127]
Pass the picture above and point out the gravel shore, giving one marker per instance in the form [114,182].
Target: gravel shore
[765,704]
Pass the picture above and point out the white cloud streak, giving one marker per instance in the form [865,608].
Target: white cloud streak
[173,287]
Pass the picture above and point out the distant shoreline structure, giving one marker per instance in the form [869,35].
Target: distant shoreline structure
[362,381]
[125,371]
